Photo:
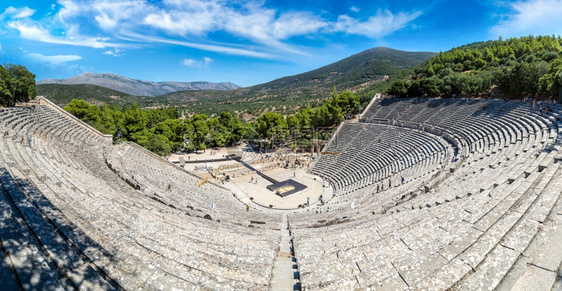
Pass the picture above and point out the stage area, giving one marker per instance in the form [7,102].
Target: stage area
[286,188]
[253,189]
[248,191]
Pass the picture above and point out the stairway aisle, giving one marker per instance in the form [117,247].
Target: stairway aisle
[285,275]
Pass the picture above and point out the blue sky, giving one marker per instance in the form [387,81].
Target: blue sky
[245,42]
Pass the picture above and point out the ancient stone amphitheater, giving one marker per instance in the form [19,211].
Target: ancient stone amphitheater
[479,207]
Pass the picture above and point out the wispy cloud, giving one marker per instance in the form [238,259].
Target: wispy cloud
[223,48]
[110,14]
[531,17]
[377,26]
[16,13]
[37,33]
[204,63]
[265,32]
[193,17]
[53,60]
[114,52]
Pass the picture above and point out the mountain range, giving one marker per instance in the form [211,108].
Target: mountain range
[138,87]
[360,73]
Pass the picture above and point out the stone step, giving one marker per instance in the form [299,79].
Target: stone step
[67,258]
[25,260]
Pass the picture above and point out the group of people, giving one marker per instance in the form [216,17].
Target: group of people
[381,186]
[543,106]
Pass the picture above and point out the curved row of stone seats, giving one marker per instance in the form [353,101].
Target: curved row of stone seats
[172,185]
[369,153]
[493,148]
[380,197]
[480,129]
[464,115]
[470,231]
[38,257]
[47,259]
[83,227]
[433,247]
[474,175]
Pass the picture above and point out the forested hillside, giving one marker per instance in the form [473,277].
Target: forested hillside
[514,68]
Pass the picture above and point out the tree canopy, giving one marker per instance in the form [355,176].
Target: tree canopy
[161,130]
[17,84]
[514,68]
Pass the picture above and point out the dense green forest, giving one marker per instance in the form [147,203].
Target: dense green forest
[513,68]
[17,84]
[162,131]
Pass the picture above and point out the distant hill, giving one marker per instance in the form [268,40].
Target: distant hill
[137,87]
[355,73]
[63,94]
[352,72]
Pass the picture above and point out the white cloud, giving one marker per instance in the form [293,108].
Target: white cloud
[37,33]
[296,23]
[187,17]
[0,47]
[207,61]
[189,62]
[114,52]
[354,9]
[112,14]
[61,63]
[537,17]
[16,13]
[53,60]
[70,9]
[224,49]
[197,64]
[380,25]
